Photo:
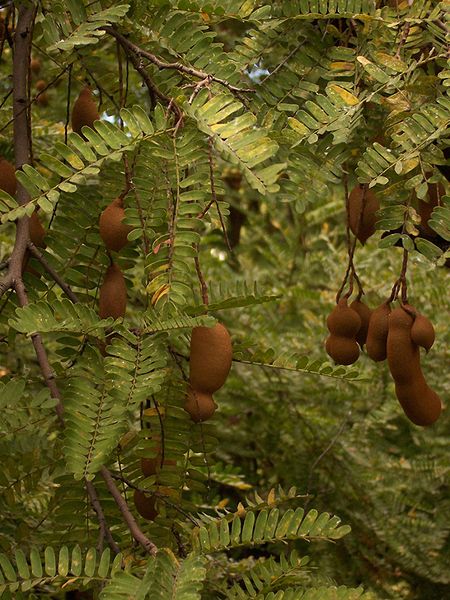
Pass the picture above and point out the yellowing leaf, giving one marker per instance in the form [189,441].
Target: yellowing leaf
[340,65]
[271,498]
[391,62]
[297,126]
[348,98]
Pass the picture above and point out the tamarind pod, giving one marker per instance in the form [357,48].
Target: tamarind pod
[420,403]
[199,405]
[210,358]
[84,111]
[41,84]
[112,231]
[343,350]
[364,313]
[362,208]
[37,231]
[113,294]
[403,355]
[42,99]
[151,466]
[377,333]
[422,332]
[425,208]
[343,320]
[145,505]
[8,181]
[35,65]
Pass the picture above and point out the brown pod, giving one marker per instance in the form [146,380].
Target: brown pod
[112,231]
[37,232]
[42,99]
[113,294]
[41,85]
[378,332]
[84,111]
[35,65]
[422,332]
[343,350]
[343,320]
[199,405]
[8,181]
[364,313]
[152,466]
[210,358]
[425,208]
[362,208]
[145,505]
[420,403]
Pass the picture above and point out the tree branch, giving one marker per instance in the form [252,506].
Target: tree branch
[22,148]
[176,66]
[104,529]
[148,545]
[51,271]
[152,88]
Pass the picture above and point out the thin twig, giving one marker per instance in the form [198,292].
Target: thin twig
[176,66]
[95,502]
[326,450]
[153,90]
[51,271]
[137,534]
[201,279]
[162,497]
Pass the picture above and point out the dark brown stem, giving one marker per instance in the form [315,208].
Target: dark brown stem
[41,354]
[51,271]
[213,192]
[405,33]
[137,534]
[176,66]
[404,285]
[201,279]
[22,45]
[104,529]
[69,89]
[153,90]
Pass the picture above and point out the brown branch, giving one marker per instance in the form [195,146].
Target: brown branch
[159,495]
[51,271]
[143,540]
[201,279]
[41,354]
[176,66]
[13,278]
[104,529]
[153,90]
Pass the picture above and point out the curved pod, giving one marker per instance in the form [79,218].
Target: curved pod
[364,313]
[420,403]
[377,332]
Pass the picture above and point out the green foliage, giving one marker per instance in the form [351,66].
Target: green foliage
[236,214]
[61,567]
